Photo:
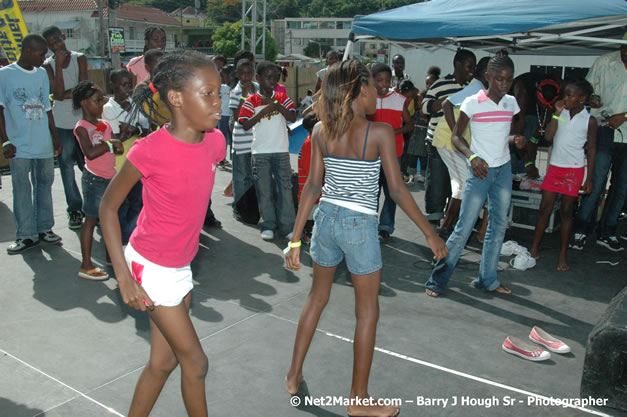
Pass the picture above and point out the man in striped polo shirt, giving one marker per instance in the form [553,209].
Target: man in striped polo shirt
[242,139]
[437,182]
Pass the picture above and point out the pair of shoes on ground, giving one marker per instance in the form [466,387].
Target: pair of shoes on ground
[20,245]
[610,242]
[523,259]
[532,352]
[269,235]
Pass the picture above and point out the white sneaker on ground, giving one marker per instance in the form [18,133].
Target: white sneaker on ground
[267,235]
[523,261]
[511,247]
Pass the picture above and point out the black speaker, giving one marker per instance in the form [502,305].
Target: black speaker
[605,367]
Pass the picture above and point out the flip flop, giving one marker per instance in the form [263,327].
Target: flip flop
[94,274]
[502,289]
[432,293]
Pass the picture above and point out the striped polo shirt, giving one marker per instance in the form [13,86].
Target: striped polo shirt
[490,125]
[443,87]
[242,139]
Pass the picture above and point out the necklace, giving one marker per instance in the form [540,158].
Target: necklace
[541,122]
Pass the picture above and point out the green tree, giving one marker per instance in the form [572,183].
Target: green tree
[317,48]
[227,41]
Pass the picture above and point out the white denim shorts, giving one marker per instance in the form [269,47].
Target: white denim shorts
[165,286]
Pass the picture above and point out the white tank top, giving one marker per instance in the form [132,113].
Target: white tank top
[65,116]
[569,140]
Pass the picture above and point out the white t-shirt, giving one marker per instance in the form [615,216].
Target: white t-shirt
[113,113]
[306,102]
[490,124]
[569,140]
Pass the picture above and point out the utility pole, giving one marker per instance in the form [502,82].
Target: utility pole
[103,36]
[113,22]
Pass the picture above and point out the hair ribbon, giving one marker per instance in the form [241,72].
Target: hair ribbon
[152,88]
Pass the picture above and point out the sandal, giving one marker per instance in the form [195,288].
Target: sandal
[502,289]
[432,293]
[94,274]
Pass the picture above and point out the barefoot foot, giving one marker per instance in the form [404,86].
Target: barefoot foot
[535,254]
[292,384]
[563,266]
[372,410]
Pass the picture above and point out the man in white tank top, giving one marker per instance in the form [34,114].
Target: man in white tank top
[65,70]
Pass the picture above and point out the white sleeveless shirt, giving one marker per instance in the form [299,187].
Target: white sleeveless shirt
[569,140]
[65,116]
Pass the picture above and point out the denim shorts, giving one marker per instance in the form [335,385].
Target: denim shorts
[344,233]
[93,190]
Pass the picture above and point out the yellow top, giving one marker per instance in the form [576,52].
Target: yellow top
[442,135]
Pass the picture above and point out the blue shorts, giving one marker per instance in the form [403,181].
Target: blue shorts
[344,233]
[93,190]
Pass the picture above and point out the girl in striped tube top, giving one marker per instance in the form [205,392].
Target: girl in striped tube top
[348,150]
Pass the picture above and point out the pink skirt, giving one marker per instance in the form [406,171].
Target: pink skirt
[565,181]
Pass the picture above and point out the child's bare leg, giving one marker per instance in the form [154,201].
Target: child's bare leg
[452,213]
[87,238]
[229,188]
[546,207]
[176,328]
[567,207]
[161,363]
[367,313]
[316,301]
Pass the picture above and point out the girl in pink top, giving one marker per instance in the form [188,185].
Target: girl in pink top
[154,38]
[153,272]
[94,137]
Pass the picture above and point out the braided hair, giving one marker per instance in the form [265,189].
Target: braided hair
[173,72]
[500,61]
[83,91]
[148,34]
[341,85]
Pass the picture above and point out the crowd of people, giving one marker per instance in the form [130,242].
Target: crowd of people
[370,131]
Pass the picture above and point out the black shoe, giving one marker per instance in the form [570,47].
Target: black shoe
[384,235]
[611,243]
[213,222]
[50,237]
[578,241]
[75,220]
[20,245]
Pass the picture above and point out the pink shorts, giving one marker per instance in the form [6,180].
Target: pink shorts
[565,181]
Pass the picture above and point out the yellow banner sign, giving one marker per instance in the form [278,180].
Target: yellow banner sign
[12,29]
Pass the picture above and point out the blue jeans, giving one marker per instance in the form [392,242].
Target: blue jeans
[242,175]
[32,207]
[497,187]
[388,212]
[71,153]
[129,211]
[272,171]
[437,183]
[226,131]
[344,233]
[610,155]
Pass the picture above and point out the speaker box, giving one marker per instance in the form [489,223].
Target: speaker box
[605,366]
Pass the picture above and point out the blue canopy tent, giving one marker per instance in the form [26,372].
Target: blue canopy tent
[556,27]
